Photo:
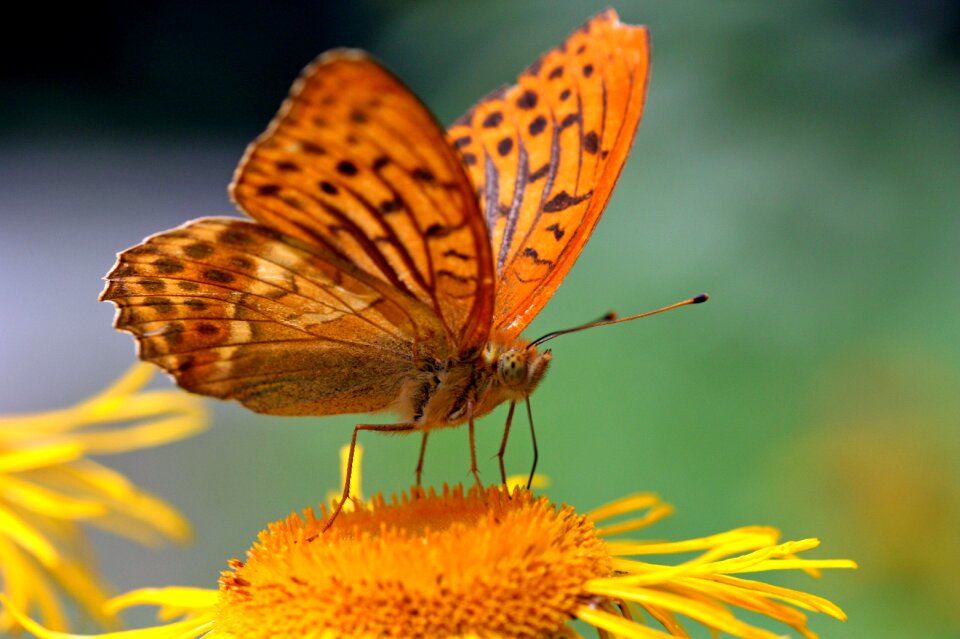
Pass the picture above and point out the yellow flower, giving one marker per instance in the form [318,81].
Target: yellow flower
[49,489]
[490,564]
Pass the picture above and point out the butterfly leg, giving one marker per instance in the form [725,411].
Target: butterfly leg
[503,443]
[382,428]
[423,451]
[473,446]
[533,437]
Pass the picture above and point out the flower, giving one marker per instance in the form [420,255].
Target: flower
[487,563]
[49,489]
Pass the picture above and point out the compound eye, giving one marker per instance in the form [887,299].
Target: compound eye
[513,368]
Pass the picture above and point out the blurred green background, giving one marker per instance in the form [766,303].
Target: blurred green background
[798,160]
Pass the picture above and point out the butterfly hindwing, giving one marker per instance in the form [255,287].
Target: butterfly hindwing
[545,153]
[355,164]
[239,311]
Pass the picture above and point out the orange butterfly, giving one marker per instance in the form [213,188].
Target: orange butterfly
[392,266]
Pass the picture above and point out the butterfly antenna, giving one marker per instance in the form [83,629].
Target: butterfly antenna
[611,318]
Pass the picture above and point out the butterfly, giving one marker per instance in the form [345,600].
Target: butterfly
[391,265]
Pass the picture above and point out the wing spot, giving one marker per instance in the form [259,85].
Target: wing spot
[533,255]
[312,149]
[587,70]
[436,230]
[538,125]
[557,72]
[424,175]
[581,49]
[469,159]
[564,200]
[456,254]
[462,141]
[346,167]
[564,95]
[527,101]
[195,304]
[173,334]
[286,166]
[152,286]
[591,144]
[569,120]
[198,251]
[206,328]
[463,279]
[292,201]
[328,188]
[163,305]
[268,189]
[216,275]
[234,237]
[189,287]
[146,249]
[125,270]
[504,146]
[168,265]
[493,120]
[241,262]
[358,117]
[390,206]
[557,231]
[380,162]
[540,173]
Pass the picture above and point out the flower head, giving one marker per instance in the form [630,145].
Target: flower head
[49,489]
[488,563]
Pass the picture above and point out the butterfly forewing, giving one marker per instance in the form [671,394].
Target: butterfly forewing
[236,310]
[355,164]
[545,153]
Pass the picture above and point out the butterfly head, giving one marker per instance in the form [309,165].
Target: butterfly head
[517,368]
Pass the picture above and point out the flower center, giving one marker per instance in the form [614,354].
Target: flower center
[426,565]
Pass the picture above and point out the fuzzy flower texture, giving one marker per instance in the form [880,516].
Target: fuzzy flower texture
[485,564]
[50,491]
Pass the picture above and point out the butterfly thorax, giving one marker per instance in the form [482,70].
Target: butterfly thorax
[449,393]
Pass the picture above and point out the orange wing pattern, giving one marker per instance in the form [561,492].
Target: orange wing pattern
[355,164]
[545,154]
[238,311]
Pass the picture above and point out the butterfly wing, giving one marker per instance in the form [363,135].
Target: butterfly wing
[545,154]
[355,164]
[236,310]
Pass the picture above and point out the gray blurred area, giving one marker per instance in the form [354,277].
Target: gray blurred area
[798,160]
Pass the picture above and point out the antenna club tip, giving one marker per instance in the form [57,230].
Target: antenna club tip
[701,298]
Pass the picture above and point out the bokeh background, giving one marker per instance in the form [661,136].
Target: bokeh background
[798,160]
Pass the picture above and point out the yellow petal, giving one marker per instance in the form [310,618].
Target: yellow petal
[14,460]
[651,517]
[617,624]
[28,538]
[185,629]
[148,435]
[763,536]
[46,502]
[708,614]
[180,598]
[624,505]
